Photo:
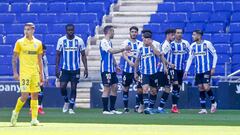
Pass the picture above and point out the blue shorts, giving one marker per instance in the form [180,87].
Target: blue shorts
[109,79]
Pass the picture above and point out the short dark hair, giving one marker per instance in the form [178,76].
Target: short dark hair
[179,29]
[69,25]
[30,24]
[144,31]
[44,47]
[170,30]
[107,28]
[198,31]
[133,28]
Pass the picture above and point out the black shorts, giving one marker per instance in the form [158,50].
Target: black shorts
[128,78]
[202,78]
[162,79]
[109,79]
[151,80]
[180,76]
[72,76]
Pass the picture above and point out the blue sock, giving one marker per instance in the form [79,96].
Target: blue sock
[153,99]
[145,100]
[105,103]
[125,99]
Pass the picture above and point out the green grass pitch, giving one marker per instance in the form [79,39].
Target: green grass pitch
[92,122]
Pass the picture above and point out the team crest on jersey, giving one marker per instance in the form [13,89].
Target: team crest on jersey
[204,46]
[35,46]
[108,76]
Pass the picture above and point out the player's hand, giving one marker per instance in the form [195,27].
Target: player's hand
[118,69]
[185,75]
[212,71]
[131,64]
[136,76]
[86,73]
[127,48]
[41,80]
[172,65]
[46,82]
[57,73]
[16,76]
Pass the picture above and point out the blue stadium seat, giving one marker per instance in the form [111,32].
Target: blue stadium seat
[158,37]
[236,59]
[51,50]
[222,48]
[220,17]
[166,7]
[88,18]
[7,17]
[177,17]
[155,28]
[235,38]
[5,59]
[27,17]
[184,7]
[14,28]
[2,29]
[207,36]
[199,17]
[236,6]
[221,38]
[19,7]
[190,27]
[39,37]
[41,28]
[223,6]
[1,39]
[47,17]
[165,26]
[188,37]
[222,58]
[96,7]
[234,28]
[52,38]
[38,7]
[51,70]
[204,6]
[4,7]
[51,59]
[82,28]
[76,7]
[220,70]
[57,7]
[235,17]
[7,70]
[57,28]
[215,28]
[6,50]
[158,18]
[68,18]
[12,38]
[235,48]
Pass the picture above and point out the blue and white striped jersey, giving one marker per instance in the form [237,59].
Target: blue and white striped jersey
[202,58]
[148,60]
[132,55]
[178,53]
[70,50]
[107,59]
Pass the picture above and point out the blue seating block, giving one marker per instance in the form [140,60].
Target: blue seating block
[234,28]
[88,18]
[236,6]
[220,17]
[235,48]
[158,18]
[6,50]
[5,59]
[190,27]
[235,38]
[7,17]
[76,7]
[200,17]
[14,28]
[38,7]
[177,17]
[27,17]
[223,58]
[236,59]
[222,48]
[223,6]
[215,28]
[41,28]
[166,7]
[12,38]
[184,6]
[52,38]
[19,7]
[4,7]
[57,7]
[68,18]
[221,38]
[47,17]
[235,17]
[7,70]
[204,6]
[155,28]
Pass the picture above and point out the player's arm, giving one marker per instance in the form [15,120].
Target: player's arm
[40,64]
[58,56]
[45,70]
[136,66]
[165,50]
[14,65]
[118,69]
[215,57]
[189,62]
[125,56]
[156,51]
[84,61]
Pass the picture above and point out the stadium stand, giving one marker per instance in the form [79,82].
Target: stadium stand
[218,19]
[50,18]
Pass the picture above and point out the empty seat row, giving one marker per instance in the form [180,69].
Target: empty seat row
[198,6]
[53,7]
[194,17]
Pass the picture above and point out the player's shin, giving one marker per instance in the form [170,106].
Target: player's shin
[19,105]
[152,101]
[211,96]
[125,98]
[163,100]
[34,107]
[202,99]
[175,94]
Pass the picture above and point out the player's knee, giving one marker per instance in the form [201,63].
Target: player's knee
[167,89]
[206,87]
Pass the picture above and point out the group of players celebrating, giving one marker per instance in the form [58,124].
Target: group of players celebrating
[152,66]
[148,63]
